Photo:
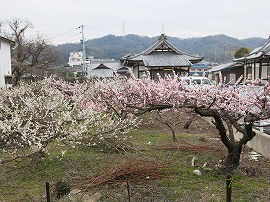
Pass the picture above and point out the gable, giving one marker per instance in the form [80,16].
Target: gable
[163,47]
[102,66]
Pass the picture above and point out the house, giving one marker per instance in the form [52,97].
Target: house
[161,58]
[5,61]
[230,72]
[103,68]
[198,69]
[257,63]
[76,59]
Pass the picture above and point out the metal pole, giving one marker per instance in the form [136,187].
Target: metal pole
[229,188]
[48,192]
[128,189]
[83,50]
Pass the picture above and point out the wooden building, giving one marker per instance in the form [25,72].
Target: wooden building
[230,71]
[257,63]
[161,58]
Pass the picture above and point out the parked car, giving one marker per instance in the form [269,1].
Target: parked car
[193,80]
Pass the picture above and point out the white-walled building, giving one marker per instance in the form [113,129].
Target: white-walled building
[75,59]
[5,60]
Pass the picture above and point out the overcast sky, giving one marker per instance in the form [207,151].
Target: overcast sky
[58,19]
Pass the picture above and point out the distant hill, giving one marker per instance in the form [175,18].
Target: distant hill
[216,48]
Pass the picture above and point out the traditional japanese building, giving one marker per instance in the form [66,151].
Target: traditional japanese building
[103,68]
[160,58]
[257,63]
[230,71]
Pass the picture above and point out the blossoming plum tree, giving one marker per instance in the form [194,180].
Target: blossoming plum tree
[33,115]
[232,108]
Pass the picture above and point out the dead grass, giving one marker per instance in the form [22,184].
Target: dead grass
[131,169]
[184,146]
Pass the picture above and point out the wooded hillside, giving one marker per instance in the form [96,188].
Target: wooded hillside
[216,48]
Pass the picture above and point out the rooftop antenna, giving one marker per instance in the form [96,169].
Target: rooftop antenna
[162,28]
[83,50]
[123,30]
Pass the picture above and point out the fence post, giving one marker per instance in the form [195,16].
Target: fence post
[229,188]
[48,192]
[128,189]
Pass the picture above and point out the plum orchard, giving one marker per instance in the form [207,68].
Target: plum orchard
[33,115]
[232,108]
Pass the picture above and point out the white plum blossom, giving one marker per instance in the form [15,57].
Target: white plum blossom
[33,115]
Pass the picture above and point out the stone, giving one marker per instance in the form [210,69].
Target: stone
[197,172]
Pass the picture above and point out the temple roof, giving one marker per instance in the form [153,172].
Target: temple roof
[225,66]
[105,64]
[163,53]
[258,52]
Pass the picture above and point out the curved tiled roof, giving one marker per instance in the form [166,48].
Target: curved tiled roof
[164,59]
[257,52]
[163,53]
[225,66]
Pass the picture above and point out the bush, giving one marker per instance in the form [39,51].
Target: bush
[61,189]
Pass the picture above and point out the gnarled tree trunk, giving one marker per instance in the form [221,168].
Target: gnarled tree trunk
[234,147]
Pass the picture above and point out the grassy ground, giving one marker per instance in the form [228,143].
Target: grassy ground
[170,178]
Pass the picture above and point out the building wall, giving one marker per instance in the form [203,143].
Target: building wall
[232,74]
[257,69]
[5,60]
[75,59]
[102,73]
[260,143]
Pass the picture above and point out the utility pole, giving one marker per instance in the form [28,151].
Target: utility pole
[83,51]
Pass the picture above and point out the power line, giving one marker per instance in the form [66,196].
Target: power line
[106,32]
[64,39]
[55,36]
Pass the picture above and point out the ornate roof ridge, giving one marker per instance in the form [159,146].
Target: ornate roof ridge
[163,40]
